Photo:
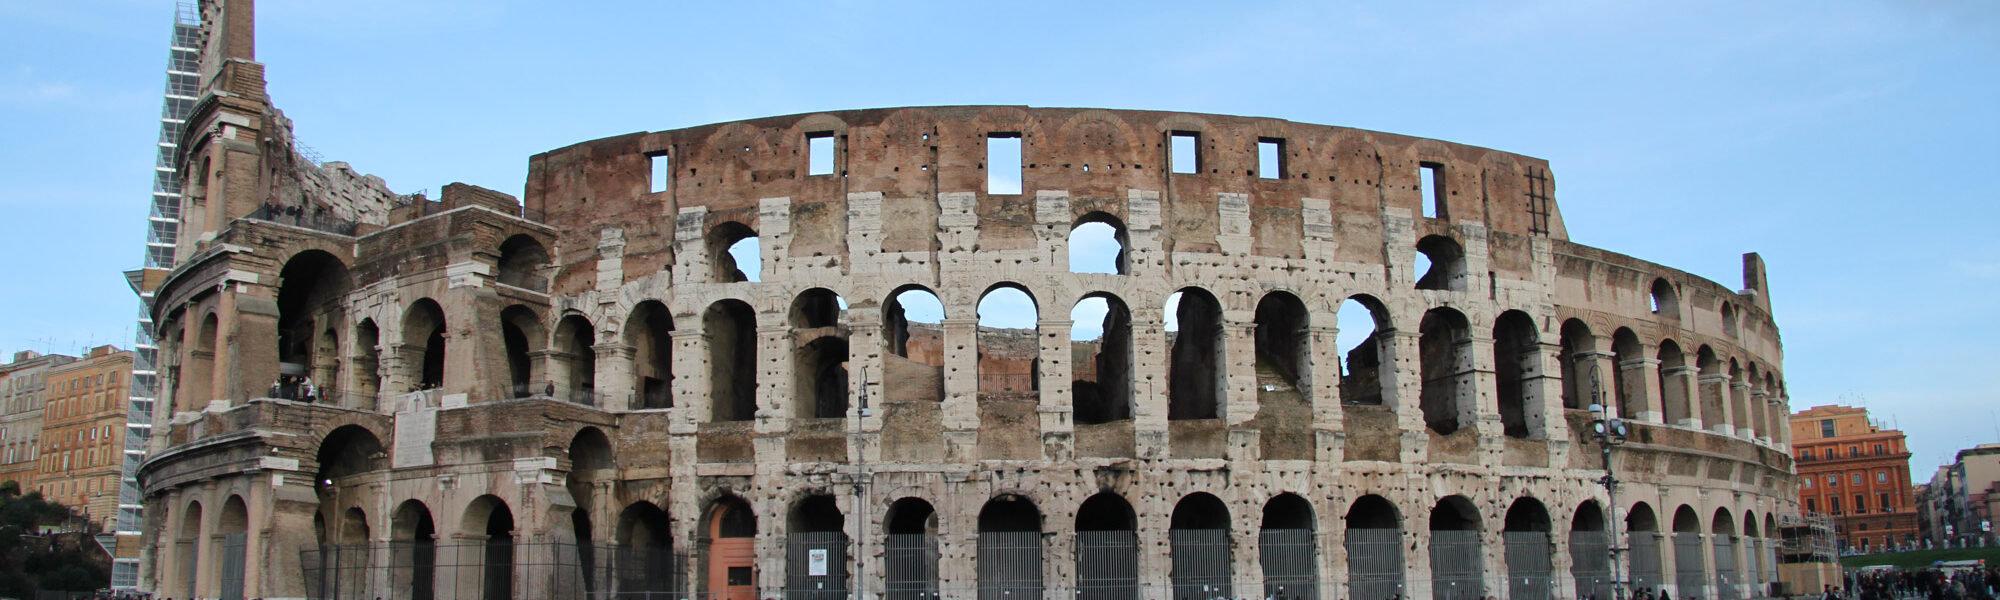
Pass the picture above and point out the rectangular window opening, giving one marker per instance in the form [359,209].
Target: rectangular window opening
[1003,163]
[659,174]
[819,153]
[1430,176]
[1270,158]
[1185,155]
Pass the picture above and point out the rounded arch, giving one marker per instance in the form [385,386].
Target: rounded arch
[729,516]
[1749,524]
[1579,348]
[1374,547]
[1198,532]
[483,514]
[1589,516]
[1200,510]
[1516,353]
[643,524]
[312,287]
[1686,520]
[576,359]
[1010,512]
[521,337]
[345,451]
[1101,366]
[590,451]
[367,362]
[1106,511]
[1196,363]
[728,243]
[1676,399]
[1665,300]
[1288,511]
[914,304]
[731,326]
[1098,243]
[820,378]
[354,526]
[1723,523]
[1641,518]
[1443,347]
[1282,340]
[1008,345]
[1361,321]
[1627,388]
[1527,514]
[424,327]
[1440,264]
[816,308]
[911,516]
[816,513]
[1456,513]
[411,522]
[649,331]
[1373,512]
[522,258]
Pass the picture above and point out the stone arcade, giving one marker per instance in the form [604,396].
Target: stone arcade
[771,358]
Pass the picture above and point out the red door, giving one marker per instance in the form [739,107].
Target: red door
[732,555]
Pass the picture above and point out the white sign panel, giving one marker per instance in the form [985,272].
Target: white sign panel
[816,562]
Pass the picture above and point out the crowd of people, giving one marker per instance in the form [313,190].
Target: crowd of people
[1930,584]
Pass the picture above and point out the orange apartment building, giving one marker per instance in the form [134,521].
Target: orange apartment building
[83,432]
[23,390]
[1858,473]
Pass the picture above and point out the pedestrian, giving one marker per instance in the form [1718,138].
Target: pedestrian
[549,389]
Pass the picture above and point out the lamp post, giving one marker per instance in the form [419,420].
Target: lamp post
[1608,430]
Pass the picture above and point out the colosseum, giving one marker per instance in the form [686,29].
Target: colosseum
[940,352]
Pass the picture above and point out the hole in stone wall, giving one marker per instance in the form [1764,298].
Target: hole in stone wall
[1430,176]
[1514,345]
[1185,153]
[819,373]
[734,253]
[1194,372]
[1003,163]
[1665,301]
[731,326]
[1098,244]
[1283,356]
[1361,356]
[1009,347]
[1101,360]
[650,333]
[660,172]
[819,153]
[1577,344]
[1441,264]
[1441,349]
[1270,158]
[521,260]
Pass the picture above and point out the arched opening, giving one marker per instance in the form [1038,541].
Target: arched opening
[1363,324]
[1628,381]
[819,355]
[592,472]
[912,377]
[1446,363]
[1664,301]
[1770,547]
[1729,320]
[910,552]
[311,290]
[1010,549]
[1457,570]
[734,253]
[1374,548]
[1097,244]
[816,550]
[1579,352]
[1196,363]
[1689,563]
[1107,549]
[367,363]
[819,378]
[1440,264]
[732,360]
[1723,543]
[187,549]
[576,360]
[645,563]
[412,552]
[1713,384]
[1754,561]
[1590,552]
[1288,550]
[1009,349]
[522,259]
[1643,534]
[233,531]
[1525,536]
[649,331]
[1199,537]
[1100,359]
[1009,368]
[489,519]
[521,336]
[1674,399]
[1284,378]
[348,467]
[1516,352]
[424,333]
[731,529]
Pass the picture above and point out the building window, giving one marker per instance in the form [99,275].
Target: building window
[1833,504]
[1808,483]
[1812,505]
[1854,479]
[1826,428]
[1806,454]
[1853,451]
[1184,152]
[1882,500]
[1833,481]
[1860,504]
[1881,477]
[1878,450]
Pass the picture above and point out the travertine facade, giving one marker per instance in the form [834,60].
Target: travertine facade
[521,383]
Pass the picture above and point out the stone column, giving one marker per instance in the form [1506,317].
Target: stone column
[1055,405]
[1542,385]
[614,375]
[1402,386]
[1239,403]
[1149,383]
[1642,382]
[960,413]
[1739,410]
[1677,383]
[1324,392]
[777,401]
[1714,394]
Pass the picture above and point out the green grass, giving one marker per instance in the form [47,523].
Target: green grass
[1923,558]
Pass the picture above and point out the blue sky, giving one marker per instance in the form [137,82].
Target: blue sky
[1848,142]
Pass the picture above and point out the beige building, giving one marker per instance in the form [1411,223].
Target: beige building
[83,432]
[1964,498]
[23,392]
[584,391]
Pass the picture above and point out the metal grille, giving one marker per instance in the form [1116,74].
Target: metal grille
[1529,572]
[1201,563]
[190,554]
[1107,565]
[1689,573]
[822,552]
[1455,566]
[1010,565]
[1291,563]
[910,560]
[1646,571]
[497,569]
[1374,563]
[1726,577]
[234,546]
[1590,563]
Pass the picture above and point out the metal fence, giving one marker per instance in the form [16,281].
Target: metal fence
[1010,565]
[492,570]
[1590,563]
[910,566]
[817,566]
[1107,565]
[1455,565]
[1374,563]
[1647,572]
[1725,568]
[1201,564]
[1690,573]
[1291,563]
[1530,574]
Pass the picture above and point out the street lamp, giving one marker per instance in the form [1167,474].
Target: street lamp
[1608,430]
